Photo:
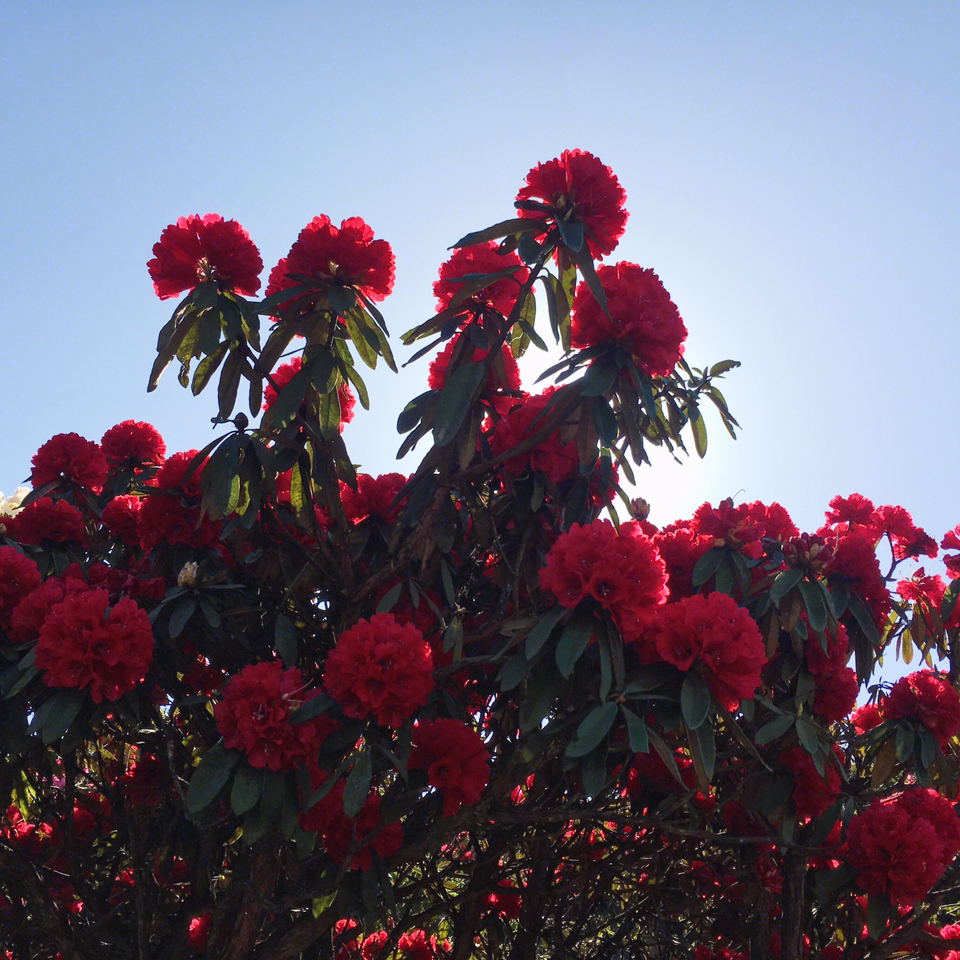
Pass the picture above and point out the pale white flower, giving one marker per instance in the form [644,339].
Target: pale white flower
[10,506]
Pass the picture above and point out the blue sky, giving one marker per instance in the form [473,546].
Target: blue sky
[791,172]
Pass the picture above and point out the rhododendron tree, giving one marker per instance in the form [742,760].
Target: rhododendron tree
[257,703]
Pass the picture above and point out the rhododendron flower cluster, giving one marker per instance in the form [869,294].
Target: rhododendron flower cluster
[380,667]
[622,571]
[254,716]
[68,456]
[335,257]
[375,497]
[134,445]
[19,576]
[455,758]
[47,520]
[196,249]
[927,697]
[902,845]
[578,187]
[87,644]
[641,318]
[720,636]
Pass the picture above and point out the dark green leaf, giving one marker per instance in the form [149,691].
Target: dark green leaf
[584,263]
[950,599]
[313,707]
[592,729]
[180,616]
[808,738]
[341,300]
[502,229]
[285,639]
[695,700]
[412,413]
[828,882]
[707,565]
[722,367]
[599,378]
[571,232]
[905,741]
[247,789]
[389,600]
[455,400]
[666,755]
[573,641]
[61,710]
[814,602]
[208,332]
[699,428]
[230,383]
[637,731]
[593,771]
[864,619]
[210,778]
[528,249]
[207,367]
[703,751]
[879,913]
[513,671]
[605,421]
[539,635]
[774,729]
[784,583]
[357,787]
[542,692]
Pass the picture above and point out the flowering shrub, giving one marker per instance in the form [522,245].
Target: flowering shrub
[257,704]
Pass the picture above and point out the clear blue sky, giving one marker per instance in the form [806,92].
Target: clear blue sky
[791,172]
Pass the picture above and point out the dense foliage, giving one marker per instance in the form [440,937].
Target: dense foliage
[256,704]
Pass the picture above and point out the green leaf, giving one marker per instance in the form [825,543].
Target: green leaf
[636,730]
[703,752]
[950,599]
[593,771]
[361,340]
[208,332]
[784,583]
[599,378]
[774,729]
[341,300]
[807,735]
[542,692]
[904,743]
[247,789]
[455,400]
[722,367]
[207,367]
[695,700]
[571,232]
[584,263]
[61,710]
[592,729]
[879,913]
[828,882]
[539,635]
[605,420]
[528,249]
[285,640]
[815,604]
[230,383]
[210,778]
[414,411]
[864,619]
[357,786]
[699,428]
[707,565]
[180,616]
[512,672]
[573,641]
[313,707]
[666,755]
[389,600]
[503,229]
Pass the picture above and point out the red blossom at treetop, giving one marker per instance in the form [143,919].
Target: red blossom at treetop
[47,520]
[579,188]
[643,320]
[481,258]
[70,457]
[197,249]
[929,698]
[455,758]
[254,716]
[622,572]
[133,444]
[380,667]
[84,643]
[721,636]
[331,257]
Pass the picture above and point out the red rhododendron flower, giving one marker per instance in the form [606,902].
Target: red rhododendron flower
[287,371]
[718,634]
[850,510]
[374,497]
[929,698]
[455,758]
[902,845]
[68,456]
[580,188]
[481,258]
[133,444]
[836,694]
[29,614]
[643,319]
[812,794]
[175,474]
[19,576]
[120,518]
[866,718]
[163,518]
[622,572]
[951,541]
[84,643]
[742,526]
[681,546]
[196,249]
[364,833]
[254,716]
[380,667]
[906,538]
[417,945]
[47,520]
[552,457]
[348,257]
[504,374]
[855,562]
